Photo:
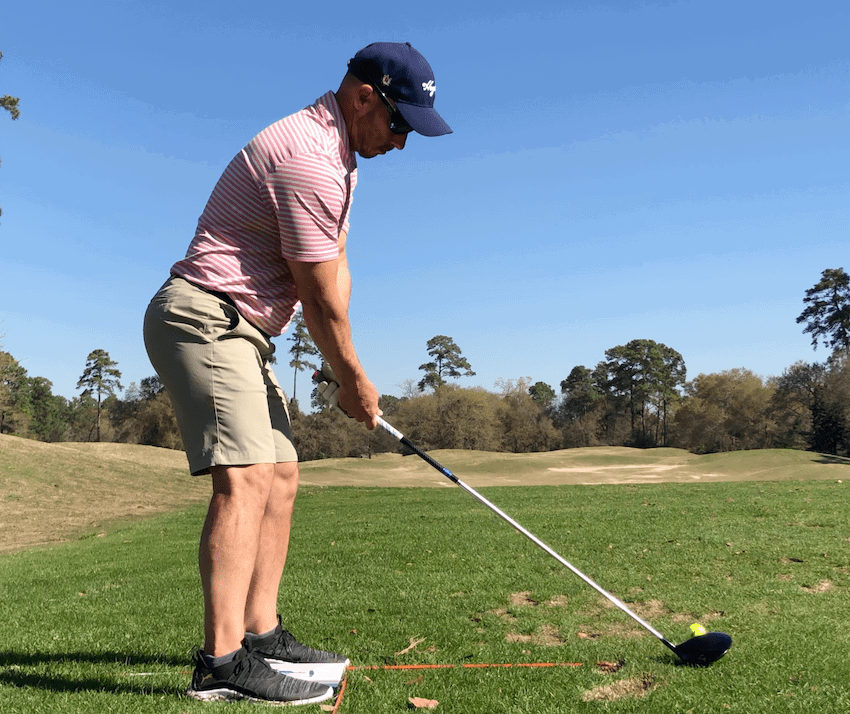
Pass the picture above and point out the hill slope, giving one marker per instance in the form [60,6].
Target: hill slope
[52,492]
[587,466]
[55,492]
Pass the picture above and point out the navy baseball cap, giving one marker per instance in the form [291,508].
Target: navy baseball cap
[405,76]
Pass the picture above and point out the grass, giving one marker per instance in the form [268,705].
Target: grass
[593,465]
[428,576]
[51,493]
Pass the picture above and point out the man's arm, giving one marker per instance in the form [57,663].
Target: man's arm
[324,290]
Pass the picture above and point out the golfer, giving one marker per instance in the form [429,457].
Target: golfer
[272,235]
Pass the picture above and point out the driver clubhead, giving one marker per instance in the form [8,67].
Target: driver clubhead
[703,650]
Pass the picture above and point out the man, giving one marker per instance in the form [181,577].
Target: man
[273,234]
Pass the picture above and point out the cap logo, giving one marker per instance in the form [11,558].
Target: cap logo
[429,87]
[386,79]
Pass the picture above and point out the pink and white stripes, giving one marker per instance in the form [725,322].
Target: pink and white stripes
[285,196]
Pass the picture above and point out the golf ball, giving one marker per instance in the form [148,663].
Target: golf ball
[697,630]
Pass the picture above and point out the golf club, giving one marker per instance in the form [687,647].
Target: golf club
[701,650]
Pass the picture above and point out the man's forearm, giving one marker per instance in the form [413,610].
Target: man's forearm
[324,290]
[331,331]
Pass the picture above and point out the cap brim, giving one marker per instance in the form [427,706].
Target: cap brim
[424,120]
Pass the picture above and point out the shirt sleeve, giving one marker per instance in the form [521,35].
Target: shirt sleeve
[311,200]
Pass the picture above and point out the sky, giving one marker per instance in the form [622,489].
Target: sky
[619,170]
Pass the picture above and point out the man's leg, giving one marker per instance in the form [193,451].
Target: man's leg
[261,607]
[230,543]
[264,635]
[231,548]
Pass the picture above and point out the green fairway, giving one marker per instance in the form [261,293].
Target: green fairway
[429,576]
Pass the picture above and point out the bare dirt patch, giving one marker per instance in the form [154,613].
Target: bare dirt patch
[651,609]
[611,667]
[822,587]
[546,636]
[633,688]
[523,598]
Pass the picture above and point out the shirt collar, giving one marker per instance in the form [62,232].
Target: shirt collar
[336,121]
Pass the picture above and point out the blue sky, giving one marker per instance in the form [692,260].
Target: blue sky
[674,171]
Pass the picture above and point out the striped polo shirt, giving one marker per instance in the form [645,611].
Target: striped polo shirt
[285,196]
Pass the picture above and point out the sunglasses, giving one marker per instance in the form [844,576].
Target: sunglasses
[397,123]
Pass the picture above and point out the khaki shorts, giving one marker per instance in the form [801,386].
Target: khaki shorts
[214,363]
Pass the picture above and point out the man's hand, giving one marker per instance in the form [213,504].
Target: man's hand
[328,388]
[359,402]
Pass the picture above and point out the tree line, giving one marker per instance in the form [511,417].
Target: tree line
[637,395]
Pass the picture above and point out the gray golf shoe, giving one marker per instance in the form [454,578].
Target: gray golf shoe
[281,647]
[250,677]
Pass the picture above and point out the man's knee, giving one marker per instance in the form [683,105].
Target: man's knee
[286,480]
[252,482]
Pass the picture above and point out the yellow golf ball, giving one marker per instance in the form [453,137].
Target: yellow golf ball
[697,630]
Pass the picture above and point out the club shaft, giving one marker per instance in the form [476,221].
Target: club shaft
[528,534]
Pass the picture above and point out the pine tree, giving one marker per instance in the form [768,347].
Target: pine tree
[99,378]
[827,313]
[448,362]
[302,346]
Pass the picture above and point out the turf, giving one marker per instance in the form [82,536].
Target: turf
[58,492]
[429,576]
[593,465]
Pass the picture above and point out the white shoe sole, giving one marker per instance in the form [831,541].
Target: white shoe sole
[230,695]
[328,673]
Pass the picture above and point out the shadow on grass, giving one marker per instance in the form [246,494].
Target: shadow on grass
[833,459]
[44,671]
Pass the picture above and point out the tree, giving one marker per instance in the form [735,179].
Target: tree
[160,423]
[82,418]
[581,415]
[451,418]
[726,411]
[582,391]
[647,376]
[388,403]
[328,434]
[525,425]
[14,395]
[795,397]
[145,416]
[827,313]
[831,408]
[409,388]
[302,346]
[542,394]
[448,362]
[49,411]
[100,378]
[10,104]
